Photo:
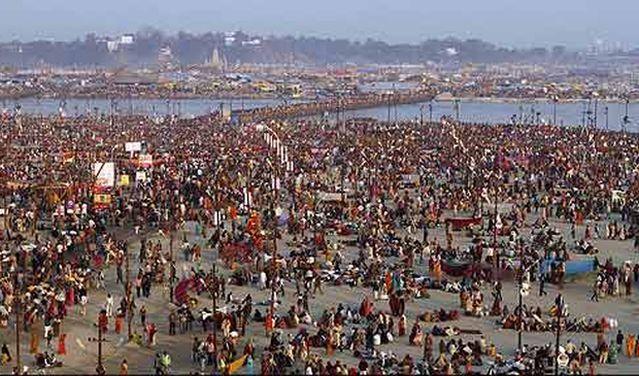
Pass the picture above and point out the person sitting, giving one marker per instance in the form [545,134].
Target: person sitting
[292,320]
[612,353]
[366,308]
[257,316]
[50,360]
[416,335]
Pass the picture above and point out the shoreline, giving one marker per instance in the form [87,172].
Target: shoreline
[488,100]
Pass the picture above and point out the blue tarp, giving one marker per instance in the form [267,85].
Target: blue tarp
[573,267]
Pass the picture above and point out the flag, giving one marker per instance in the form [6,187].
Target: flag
[237,364]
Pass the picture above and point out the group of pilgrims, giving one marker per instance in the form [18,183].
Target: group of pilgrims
[275,216]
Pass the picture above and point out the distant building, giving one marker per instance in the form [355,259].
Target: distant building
[165,57]
[127,39]
[112,45]
[252,42]
[229,38]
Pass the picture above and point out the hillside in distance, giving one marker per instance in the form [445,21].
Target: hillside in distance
[148,47]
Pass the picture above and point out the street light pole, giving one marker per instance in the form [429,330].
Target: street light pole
[558,334]
[100,366]
[214,293]
[129,296]
[521,298]
[389,109]
[274,234]
[275,186]
[18,295]
[100,370]
[430,111]
[171,261]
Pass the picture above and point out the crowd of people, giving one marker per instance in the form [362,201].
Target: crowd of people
[388,212]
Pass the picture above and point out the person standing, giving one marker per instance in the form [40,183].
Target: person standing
[630,345]
[62,348]
[619,339]
[542,284]
[595,294]
[143,315]
[109,305]
[172,323]
[6,354]
[124,368]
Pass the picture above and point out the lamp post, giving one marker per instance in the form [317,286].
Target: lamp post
[559,304]
[214,288]
[127,290]
[626,118]
[99,369]
[430,111]
[18,309]
[521,296]
[275,185]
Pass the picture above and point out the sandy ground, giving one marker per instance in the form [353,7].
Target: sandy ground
[82,358]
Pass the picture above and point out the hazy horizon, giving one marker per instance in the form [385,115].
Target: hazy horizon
[503,22]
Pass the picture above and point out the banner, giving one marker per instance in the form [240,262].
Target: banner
[226,112]
[133,146]
[237,364]
[146,160]
[102,201]
[140,176]
[124,181]
[104,174]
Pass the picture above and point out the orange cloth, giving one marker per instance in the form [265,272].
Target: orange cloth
[268,323]
[118,324]
[34,342]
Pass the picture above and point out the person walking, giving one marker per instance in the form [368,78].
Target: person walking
[595,293]
[109,305]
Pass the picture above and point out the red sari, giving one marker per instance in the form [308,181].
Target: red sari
[62,348]
[268,323]
[70,297]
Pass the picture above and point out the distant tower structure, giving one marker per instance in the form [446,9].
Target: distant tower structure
[217,62]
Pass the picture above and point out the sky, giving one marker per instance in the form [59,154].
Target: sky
[510,23]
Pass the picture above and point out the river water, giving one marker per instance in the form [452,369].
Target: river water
[573,113]
[160,107]
[569,114]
